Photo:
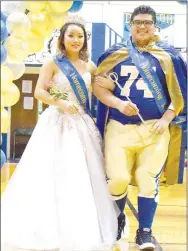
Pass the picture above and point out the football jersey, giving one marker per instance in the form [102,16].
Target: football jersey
[137,90]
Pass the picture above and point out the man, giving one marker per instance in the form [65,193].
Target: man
[153,76]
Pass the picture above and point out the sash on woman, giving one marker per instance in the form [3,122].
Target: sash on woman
[76,81]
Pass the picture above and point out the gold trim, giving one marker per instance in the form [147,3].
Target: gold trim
[172,166]
[166,64]
[171,79]
[112,60]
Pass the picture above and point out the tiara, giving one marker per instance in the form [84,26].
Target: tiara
[75,19]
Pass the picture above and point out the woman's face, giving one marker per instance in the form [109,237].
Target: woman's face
[74,39]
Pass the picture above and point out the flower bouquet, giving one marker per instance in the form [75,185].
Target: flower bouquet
[57,94]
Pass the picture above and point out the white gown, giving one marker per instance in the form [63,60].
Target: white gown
[57,198]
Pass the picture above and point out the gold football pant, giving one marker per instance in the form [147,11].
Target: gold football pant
[128,146]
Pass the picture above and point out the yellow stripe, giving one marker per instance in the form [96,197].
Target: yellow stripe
[112,60]
[173,161]
[171,79]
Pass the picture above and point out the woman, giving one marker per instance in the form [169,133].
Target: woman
[57,197]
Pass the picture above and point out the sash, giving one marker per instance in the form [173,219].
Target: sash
[147,72]
[176,84]
[76,81]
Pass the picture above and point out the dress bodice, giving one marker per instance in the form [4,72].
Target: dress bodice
[61,82]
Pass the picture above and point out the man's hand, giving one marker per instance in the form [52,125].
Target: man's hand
[127,108]
[160,126]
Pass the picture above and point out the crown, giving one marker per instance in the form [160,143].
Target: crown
[75,19]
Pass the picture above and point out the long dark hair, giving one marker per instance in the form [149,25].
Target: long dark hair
[83,54]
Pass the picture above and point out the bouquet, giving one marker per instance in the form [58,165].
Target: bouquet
[57,94]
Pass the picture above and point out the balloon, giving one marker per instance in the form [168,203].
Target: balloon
[4,32]
[3,54]
[60,6]
[17,69]
[182,1]
[40,23]
[36,42]
[11,96]
[3,17]
[35,6]
[5,120]
[3,158]
[58,19]
[17,49]
[18,24]
[77,5]
[6,78]
[8,7]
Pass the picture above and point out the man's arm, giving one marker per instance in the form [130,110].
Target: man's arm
[108,98]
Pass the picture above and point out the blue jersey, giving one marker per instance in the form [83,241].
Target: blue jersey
[137,90]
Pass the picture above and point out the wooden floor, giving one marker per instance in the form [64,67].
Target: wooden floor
[169,227]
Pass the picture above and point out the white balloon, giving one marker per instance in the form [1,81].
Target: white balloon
[18,24]
[8,7]
[17,49]
[17,69]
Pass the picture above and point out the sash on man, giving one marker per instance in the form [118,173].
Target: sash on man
[175,71]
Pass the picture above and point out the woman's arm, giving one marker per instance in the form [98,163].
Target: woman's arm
[47,72]
[91,67]
[103,88]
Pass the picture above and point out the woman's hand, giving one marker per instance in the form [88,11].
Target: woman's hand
[105,82]
[67,106]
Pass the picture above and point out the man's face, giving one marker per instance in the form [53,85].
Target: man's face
[142,29]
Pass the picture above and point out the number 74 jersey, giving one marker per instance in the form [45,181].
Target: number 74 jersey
[137,90]
[134,83]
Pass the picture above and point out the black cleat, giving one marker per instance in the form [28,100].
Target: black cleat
[144,239]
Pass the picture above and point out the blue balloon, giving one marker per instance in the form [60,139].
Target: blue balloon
[183,1]
[3,54]
[3,17]
[4,32]
[3,158]
[77,5]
